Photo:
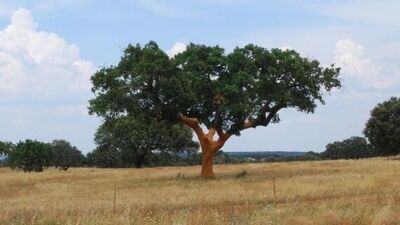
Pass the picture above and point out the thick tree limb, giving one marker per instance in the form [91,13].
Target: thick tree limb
[217,122]
[211,133]
[223,137]
[193,123]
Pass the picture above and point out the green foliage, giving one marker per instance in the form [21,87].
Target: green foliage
[383,127]
[5,149]
[31,155]
[126,140]
[351,148]
[221,90]
[66,155]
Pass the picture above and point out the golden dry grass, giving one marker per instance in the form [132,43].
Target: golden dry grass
[352,192]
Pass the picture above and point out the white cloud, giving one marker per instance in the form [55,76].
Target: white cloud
[354,62]
[176,49]
[44,85]
[39,63]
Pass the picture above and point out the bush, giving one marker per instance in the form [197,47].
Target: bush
[242,174]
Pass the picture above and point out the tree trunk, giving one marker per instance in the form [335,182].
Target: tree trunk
[139,161]
[207,162]
[209,146]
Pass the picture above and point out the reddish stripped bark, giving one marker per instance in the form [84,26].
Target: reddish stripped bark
[208,145]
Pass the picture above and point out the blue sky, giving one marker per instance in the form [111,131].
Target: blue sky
[49,49]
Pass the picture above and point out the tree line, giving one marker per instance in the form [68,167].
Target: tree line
[122,144]
[32,155]
[35,156]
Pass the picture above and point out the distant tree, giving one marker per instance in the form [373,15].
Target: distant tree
[66,155]
[90,159]
[309,156]
[5,149]
[31,155]
[351,148]
[128,140]
[222,158]
[190,157]
[383,127]
[106,155]
[204,87]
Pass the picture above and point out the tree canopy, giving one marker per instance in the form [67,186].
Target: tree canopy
[66,155]
[30,155]
[203,85]
[383,127]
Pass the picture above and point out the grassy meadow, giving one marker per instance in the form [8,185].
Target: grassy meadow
[344,192]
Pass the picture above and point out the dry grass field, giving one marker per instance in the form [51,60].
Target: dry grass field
[352,192]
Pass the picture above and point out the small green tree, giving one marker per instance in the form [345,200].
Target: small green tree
[66,155]
[351,148]
[31,155]
[128,140]
[383,127]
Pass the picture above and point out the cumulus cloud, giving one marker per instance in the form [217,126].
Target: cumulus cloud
[176,49]
[44,85]
[39,63]
[355,63]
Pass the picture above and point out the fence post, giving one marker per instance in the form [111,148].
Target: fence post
[115,198]
[273,185]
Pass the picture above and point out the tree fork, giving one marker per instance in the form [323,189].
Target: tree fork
[208,145]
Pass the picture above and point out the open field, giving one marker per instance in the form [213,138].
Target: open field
[352,192]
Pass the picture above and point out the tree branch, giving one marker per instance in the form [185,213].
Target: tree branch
[263,120]
[211,133]
[223,137]
[217,122]
[193,123]
[248,124]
